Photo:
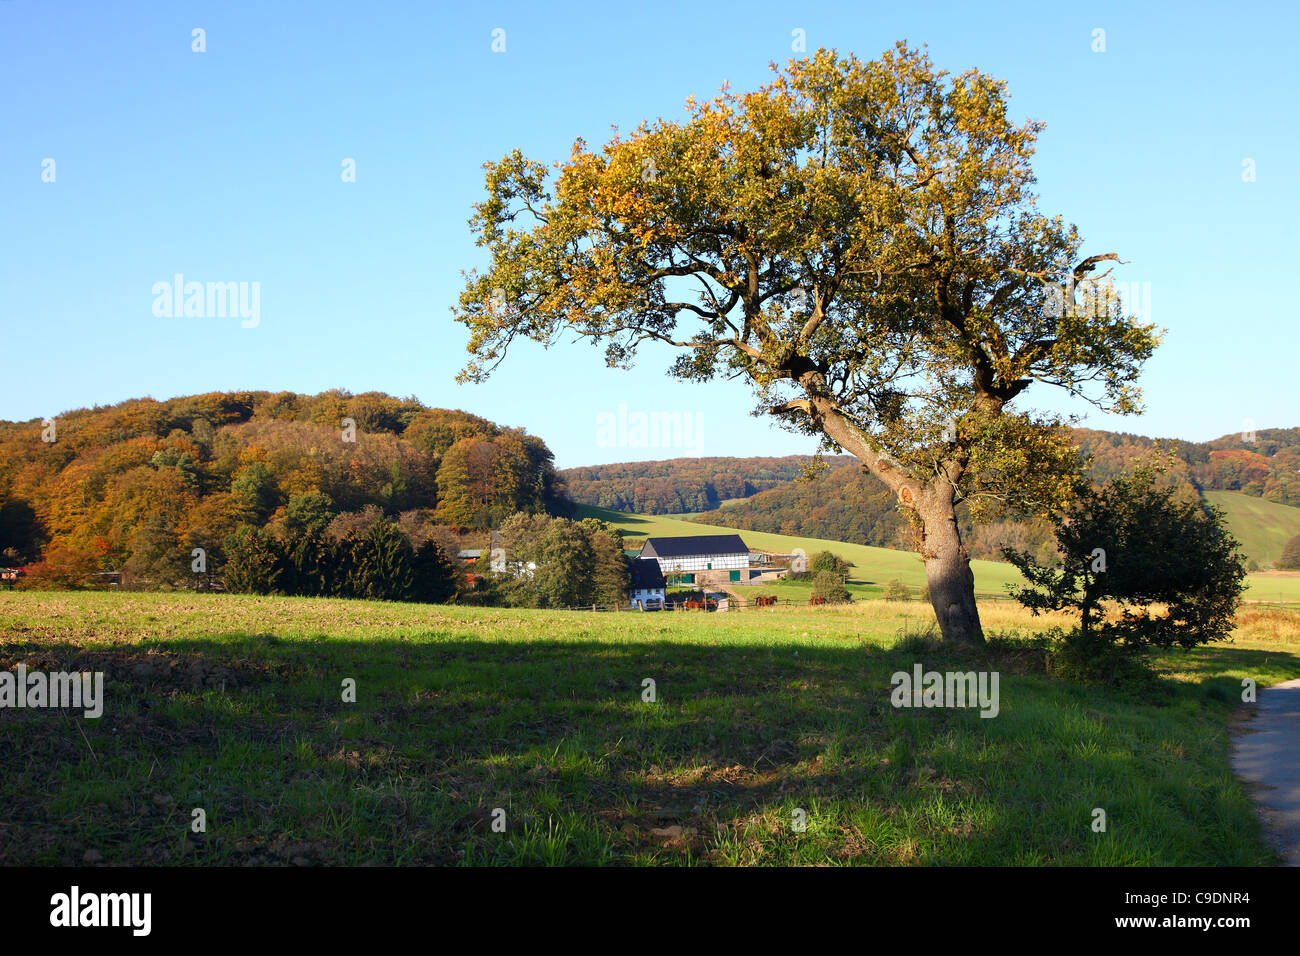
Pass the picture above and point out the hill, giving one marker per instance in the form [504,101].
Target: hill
[136,487]
[1262,527]
[847,503]
[681,485]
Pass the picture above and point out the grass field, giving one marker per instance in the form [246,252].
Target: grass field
[232,704]
[724,503]
[1262,527]
[1278,587]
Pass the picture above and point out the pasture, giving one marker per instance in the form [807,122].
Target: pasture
[770,739]
[1263,527]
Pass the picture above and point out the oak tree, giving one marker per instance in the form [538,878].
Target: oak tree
[857,240]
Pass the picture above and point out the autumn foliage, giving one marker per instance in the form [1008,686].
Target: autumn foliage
[160,491]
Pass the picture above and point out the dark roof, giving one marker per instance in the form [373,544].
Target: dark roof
[693,544]
[646,575]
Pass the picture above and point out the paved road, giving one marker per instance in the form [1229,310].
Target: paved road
[1266,755]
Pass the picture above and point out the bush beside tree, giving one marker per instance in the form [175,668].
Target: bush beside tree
[1140,567]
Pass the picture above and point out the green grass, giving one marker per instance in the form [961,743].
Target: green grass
[873,567]
[1263,527]
[724,503]
[1277,587]
[232,704]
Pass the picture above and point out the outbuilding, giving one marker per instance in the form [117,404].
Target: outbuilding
[647,582]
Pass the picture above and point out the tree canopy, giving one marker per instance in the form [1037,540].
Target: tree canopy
[858,240]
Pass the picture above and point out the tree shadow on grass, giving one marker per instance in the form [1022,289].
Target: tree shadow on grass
[596,751]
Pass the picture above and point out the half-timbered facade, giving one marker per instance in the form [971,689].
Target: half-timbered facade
[703,552]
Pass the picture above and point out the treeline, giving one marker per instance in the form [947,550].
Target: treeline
[553,562]
[847,503]
[379,564]
[680,485]
[140,486]
[537,561]
[1263,463]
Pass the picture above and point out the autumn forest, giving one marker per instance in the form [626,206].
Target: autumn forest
[143,486]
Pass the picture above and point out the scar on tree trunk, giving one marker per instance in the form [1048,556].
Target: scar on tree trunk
[948,574]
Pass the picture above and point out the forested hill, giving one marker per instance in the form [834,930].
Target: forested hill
[848,504]
[682,485]
[127,485]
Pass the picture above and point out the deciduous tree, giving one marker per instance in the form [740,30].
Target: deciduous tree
[858,240]
[1291,554]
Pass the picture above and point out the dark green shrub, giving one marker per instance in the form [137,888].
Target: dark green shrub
[827,561]
[1141,567]
[255,562]
[830,586]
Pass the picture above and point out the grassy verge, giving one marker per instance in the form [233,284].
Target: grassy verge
[233,705]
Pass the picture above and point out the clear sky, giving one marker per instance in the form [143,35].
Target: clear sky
[226,166]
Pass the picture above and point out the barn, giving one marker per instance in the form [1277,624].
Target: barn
[688,554]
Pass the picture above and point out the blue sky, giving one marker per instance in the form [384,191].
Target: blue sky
[225,166]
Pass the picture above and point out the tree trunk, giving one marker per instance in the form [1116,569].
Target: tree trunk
[948,573]
[947,564]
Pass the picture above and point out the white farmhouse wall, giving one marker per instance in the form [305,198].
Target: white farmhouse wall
[704,562]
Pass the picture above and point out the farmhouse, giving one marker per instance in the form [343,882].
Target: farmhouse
[647,582]
[689,554]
